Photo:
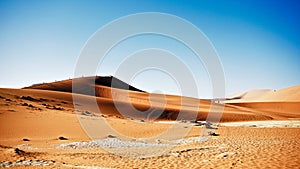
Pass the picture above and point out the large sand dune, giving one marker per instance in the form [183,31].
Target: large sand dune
[171,105]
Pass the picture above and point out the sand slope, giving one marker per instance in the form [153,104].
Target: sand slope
[43,115]
[84,85]
[170,105]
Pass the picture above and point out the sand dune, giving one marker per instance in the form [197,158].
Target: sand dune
[148,106]
[279,104]
[108,98]
[169,111]
[290,94]
[84,85]
[37,120]
[35,111]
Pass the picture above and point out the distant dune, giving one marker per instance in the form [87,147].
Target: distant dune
[289,94]
[276,103]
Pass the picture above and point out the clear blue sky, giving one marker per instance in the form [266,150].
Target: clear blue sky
[258,41]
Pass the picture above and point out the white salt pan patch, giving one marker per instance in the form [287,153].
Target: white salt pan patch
[265,124]
[117,143]
[109,143]
[167,122]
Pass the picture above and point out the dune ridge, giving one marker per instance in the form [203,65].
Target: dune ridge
[85,85]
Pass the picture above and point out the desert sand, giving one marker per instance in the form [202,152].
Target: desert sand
[40,128]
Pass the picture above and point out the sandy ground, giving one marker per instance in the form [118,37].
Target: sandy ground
[41,129]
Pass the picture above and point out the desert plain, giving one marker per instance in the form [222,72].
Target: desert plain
[54,125]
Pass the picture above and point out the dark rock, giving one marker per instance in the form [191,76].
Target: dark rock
[111,136]
[19,161]
[62,138]
[43,100]
[213,134]
[19,152]
[28,98]
[57,108]
[86,113]
[209,126]
[25,104]
[26,139]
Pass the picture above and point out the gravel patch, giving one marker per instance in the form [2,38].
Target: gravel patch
[7,164]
